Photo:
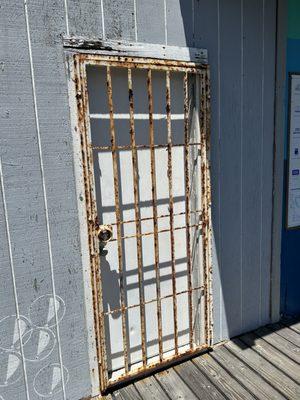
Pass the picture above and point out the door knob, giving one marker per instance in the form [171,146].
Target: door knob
[105,233]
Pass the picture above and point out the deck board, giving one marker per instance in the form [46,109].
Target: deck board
[226,384]
[197,381]
[248,378]
[150,389]
[275,377]
[289,333]
[264,364]
[174,386]
[273,356]
[280,343]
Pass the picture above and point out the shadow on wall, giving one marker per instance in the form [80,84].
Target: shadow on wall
[197,37]
[241,50]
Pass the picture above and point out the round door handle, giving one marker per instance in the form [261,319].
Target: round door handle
[105,233]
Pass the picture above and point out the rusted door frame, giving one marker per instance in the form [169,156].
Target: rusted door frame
[77,62]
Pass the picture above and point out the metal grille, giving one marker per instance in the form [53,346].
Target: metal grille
[196,213]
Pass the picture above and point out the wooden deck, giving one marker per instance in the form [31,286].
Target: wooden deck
[264,364]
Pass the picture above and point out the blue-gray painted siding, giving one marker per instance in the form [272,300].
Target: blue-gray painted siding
[240,38]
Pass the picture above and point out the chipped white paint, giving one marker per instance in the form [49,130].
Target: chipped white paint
[85,254]
[124,48]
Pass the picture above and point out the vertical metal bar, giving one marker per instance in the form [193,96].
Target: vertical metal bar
[198,272]
[137,217]
[171,207]
[206,190]
[154,206]
[118,213]
[187,204]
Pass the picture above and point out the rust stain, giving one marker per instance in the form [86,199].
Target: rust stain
[137,218]
[154,207]
[187,204]
[144,146]
[171,208]
[118,213]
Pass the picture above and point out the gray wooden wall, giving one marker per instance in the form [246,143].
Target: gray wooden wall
[40,253]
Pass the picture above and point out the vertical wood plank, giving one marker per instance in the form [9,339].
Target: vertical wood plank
[119,19]
[179,26]
[252,163]
[150,21]
[230,162]
[85,18]
[267,154]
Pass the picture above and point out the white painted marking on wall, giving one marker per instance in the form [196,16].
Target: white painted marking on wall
[137,116]
[67,17]
[9,332]
[261,158]
[241,128]
[12,366]
[16,335]
[166,23]
[44,340]
[40,346]
[51,311]
[42,311]
[102,20]
[193,20]
[11,370]
[55,378]
[44,187]
[47,382]
[12,268]
[135,21]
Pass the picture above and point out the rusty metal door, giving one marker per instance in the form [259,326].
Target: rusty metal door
[144,127]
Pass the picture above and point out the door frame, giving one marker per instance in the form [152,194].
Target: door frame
[78,55]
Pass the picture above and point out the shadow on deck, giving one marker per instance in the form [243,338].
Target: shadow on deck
[263,364]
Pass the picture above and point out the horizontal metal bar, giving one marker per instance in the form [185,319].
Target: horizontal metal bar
[122,309]
[134,63]
[138,116]
[129,221]
[143,146]
[124,48]
[161,231]
[155,367]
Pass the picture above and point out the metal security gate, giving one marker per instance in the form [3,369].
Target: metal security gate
[144,132]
